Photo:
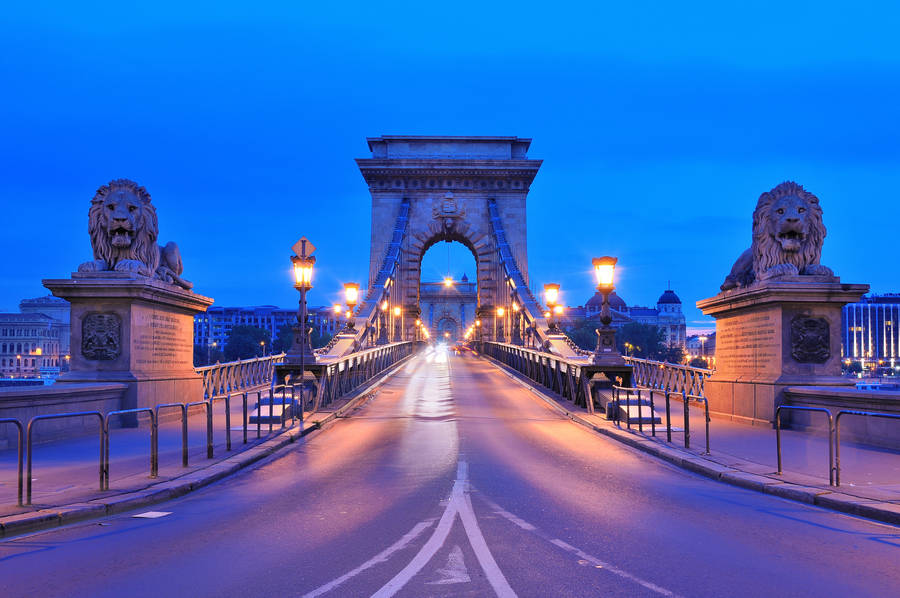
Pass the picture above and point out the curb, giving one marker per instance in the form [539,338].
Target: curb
[14,525]
[827,499]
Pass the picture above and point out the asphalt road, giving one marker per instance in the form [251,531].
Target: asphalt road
[455,481]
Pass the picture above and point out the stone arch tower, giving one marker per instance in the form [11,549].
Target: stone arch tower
[448,183]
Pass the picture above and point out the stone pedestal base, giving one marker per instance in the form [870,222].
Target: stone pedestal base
[772,335]
[134,330]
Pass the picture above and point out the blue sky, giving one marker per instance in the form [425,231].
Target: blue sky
[659,125]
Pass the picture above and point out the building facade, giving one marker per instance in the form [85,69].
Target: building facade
[56,308]
[870,330]
[30,346]
[667,315]
[211,329]
[448,309]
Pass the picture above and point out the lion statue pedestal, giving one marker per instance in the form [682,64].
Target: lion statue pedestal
[136,330]
[132,312]
[778,317]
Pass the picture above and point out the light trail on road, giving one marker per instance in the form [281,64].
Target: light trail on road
[454,481]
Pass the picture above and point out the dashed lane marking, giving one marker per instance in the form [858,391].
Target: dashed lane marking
[578,552]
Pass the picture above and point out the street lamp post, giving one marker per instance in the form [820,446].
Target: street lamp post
[382,333]
[301,350]
[351,296]
[498,325]
[604,271]
[398,324]
[516,319]
[551,296]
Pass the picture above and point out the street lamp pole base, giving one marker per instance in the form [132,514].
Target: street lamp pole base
[606,352]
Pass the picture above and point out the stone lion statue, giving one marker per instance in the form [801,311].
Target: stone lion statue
[123,229]
[787,238]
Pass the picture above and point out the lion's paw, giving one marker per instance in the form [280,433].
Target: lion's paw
[93,266]
[132,266]
[779,270]
[817,270]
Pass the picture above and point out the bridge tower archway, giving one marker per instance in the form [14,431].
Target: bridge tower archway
[446,188]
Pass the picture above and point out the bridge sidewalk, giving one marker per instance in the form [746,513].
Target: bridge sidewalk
[65,474]
[745,456]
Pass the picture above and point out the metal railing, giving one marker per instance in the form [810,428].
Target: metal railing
[837,435]
[672,377]
[238,376]
[342,376]
[29,453]
[568,378]
[20,444]
[154,441]
[184,429]
[685,398]
[781,408]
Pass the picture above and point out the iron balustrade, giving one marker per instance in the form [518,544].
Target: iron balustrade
[668,376]
[781,408]
[568,378]
[154,441]
[30,453]
[339,377]
[837,435]
[20,440]
[238,376]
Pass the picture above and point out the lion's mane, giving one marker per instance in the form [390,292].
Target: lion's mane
[767,252]
[144,248]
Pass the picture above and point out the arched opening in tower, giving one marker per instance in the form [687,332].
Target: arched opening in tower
[448,290]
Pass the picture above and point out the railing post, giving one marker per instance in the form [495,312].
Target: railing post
[687,419]
[209,429]
[778,438]
[668,416]
[228,421]
[244,412]
[154,445]
[184,436]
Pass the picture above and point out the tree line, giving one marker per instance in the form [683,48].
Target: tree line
[635,339]
[245,342]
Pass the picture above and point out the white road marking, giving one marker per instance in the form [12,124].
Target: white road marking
[151,515]
[454,571]
[378,558]
[483,553]
[580,553]
[459,504]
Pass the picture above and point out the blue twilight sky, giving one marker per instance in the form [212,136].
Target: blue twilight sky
[659,124]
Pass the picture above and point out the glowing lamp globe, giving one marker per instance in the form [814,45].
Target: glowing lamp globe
[551,293]
[303,271]
[604,271]
[351,294]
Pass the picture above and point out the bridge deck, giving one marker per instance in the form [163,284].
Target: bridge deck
[454,481]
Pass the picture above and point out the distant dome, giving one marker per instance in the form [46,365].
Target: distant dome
[615,302]
[668,297]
